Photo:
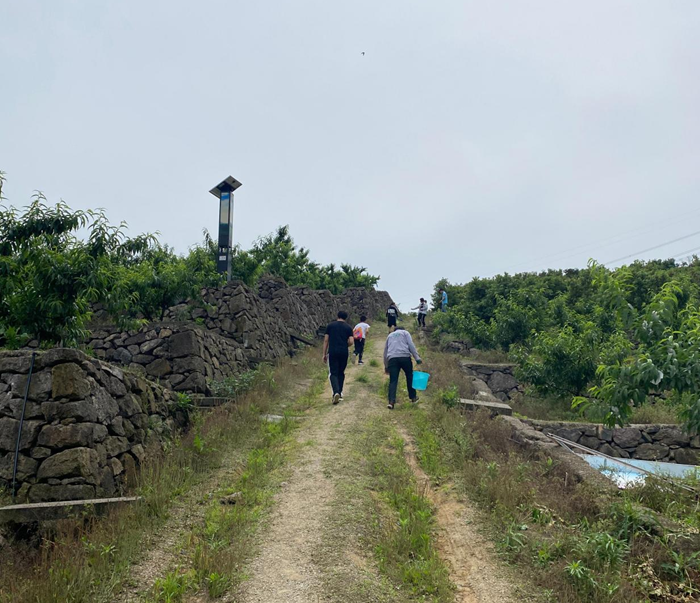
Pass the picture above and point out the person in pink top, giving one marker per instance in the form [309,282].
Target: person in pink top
[360,335]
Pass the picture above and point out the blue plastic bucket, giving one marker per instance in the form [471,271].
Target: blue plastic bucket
[420,380]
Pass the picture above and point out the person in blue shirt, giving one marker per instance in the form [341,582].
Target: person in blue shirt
[443,300]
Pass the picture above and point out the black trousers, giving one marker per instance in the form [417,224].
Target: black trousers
[396,365]
[337,364]
[359,348]
[421,319]
[391,321]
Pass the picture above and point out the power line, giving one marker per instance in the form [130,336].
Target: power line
[606,242]
[631,255]
[686,253]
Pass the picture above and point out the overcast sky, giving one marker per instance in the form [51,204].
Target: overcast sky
[472,138]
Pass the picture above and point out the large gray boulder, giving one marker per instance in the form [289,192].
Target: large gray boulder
[627,437]
[75,462]
[159,368]
[77,434]
[194,383]
[14,362]
[573,435]
[69,381]
[8,433]
[11,406]
[60,492]
[26,467]
[651,452]
[115,445]
[671,436]
[39,388]
[687,456]
[502,382]
[184,344]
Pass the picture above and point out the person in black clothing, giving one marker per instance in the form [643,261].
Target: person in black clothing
[392,315]
[336,342]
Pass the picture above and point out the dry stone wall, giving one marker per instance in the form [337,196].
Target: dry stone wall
[372,304]
[645,442]
[455,346]
[302,310]
[182,357]
[498,377]
[233,329]
[88,420]
[87,424]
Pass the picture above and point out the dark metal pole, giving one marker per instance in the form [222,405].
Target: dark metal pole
[21,423]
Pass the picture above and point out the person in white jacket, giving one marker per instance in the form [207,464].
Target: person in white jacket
[422,308]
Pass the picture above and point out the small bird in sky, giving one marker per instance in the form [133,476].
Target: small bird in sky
[363,53]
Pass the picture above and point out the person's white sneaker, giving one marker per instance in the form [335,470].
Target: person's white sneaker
[336,398]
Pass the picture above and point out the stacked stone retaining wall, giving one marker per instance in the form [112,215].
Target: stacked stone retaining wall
[87,424]
[498,377]
[88,420]
[182,357]
[231,330]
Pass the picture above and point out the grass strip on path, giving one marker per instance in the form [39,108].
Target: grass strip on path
[380,514]
[404,547]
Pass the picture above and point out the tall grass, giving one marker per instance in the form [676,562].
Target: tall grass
[445,372]
[575,543]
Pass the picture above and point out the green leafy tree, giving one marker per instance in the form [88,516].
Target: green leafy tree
[617,335]
[662,354]
[560,363]
[466,325]
[513,322]
[277,254]
[161,279]
[56,265]
[49,278]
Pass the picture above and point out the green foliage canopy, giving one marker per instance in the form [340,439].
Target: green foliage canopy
[277,254]
[57,264]
[49,278]
[610,338]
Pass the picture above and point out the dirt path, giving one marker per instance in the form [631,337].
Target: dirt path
[162,549]
[470,556]
[310,548]
[287,568]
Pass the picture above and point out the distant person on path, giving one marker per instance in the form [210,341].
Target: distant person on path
[443,300]
[360,335]
[337,340]
[422,308]
[392,314]
[398,350]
